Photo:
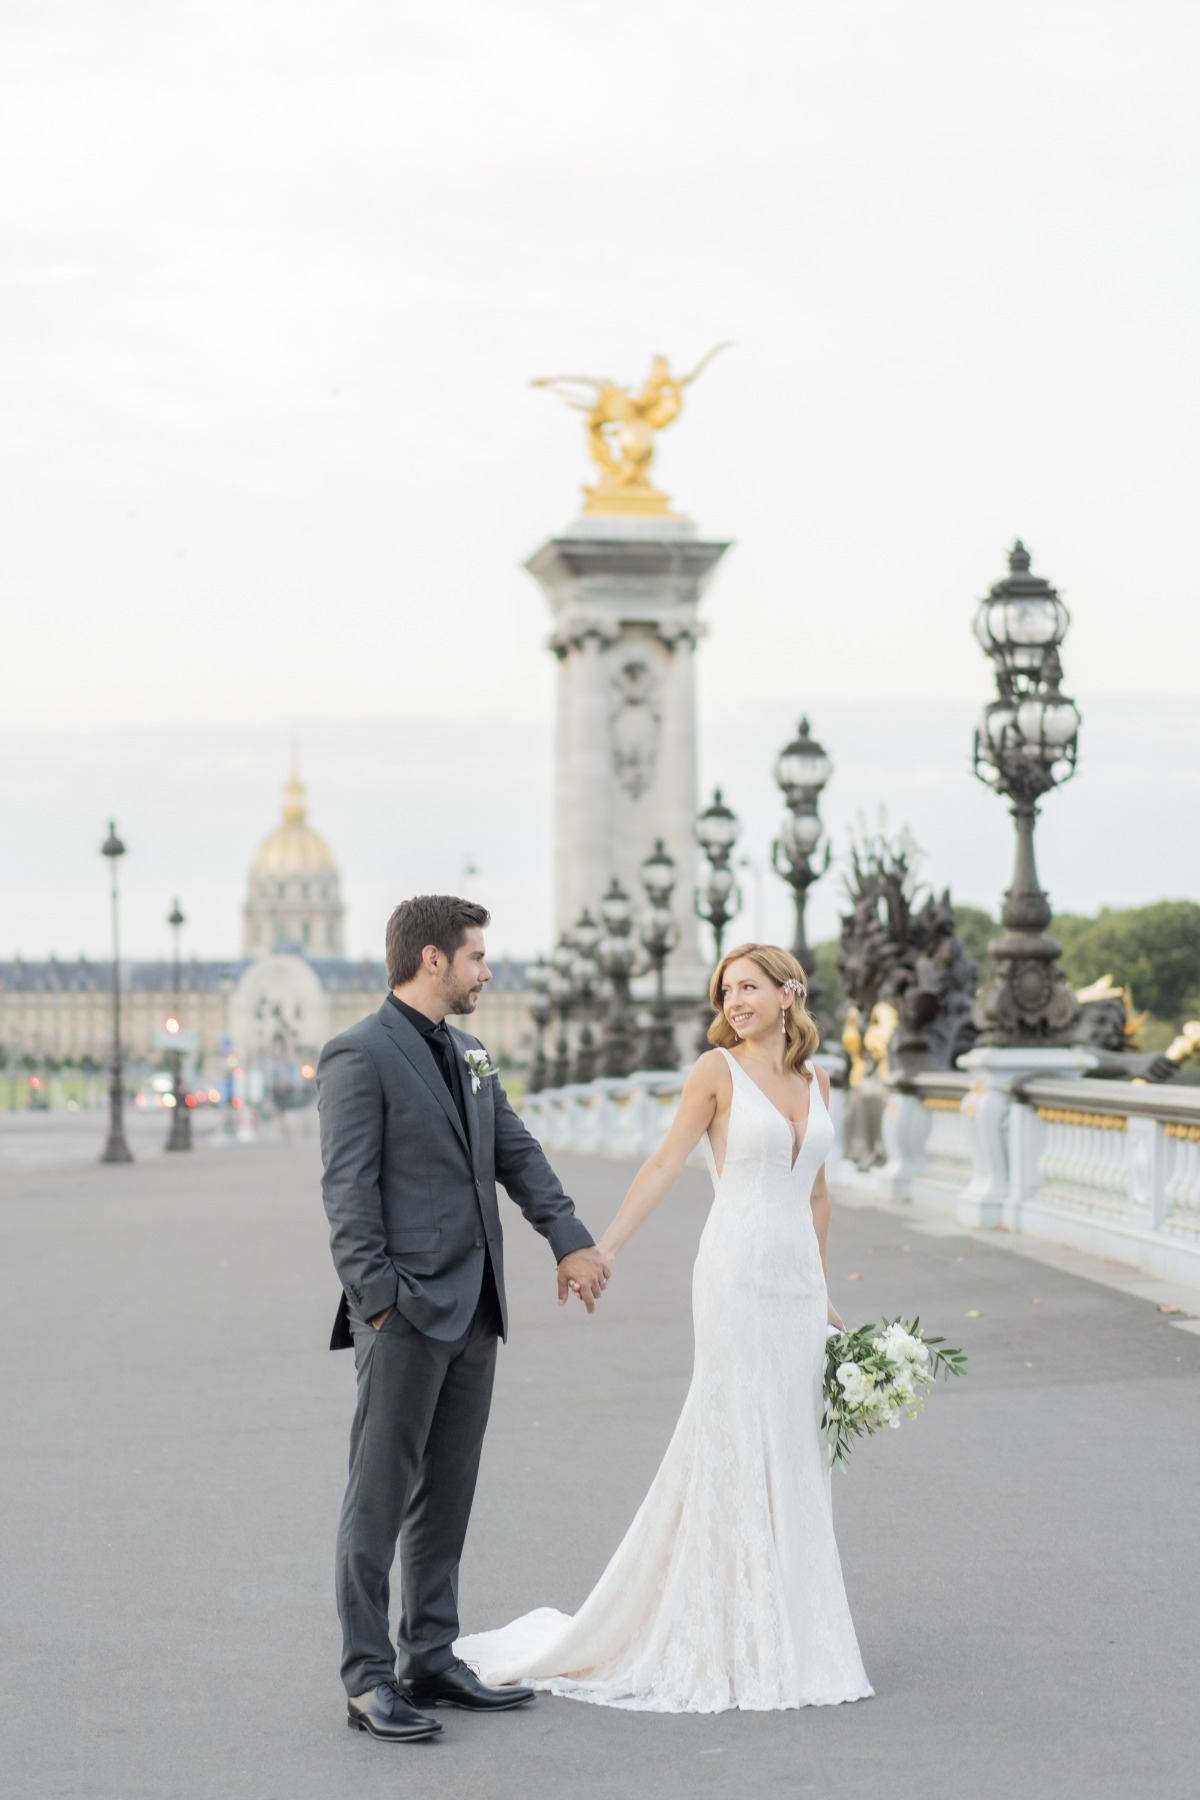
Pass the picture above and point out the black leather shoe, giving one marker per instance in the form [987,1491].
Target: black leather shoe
[459,1685]
[387,1713]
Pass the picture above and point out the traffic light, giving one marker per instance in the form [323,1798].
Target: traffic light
[171,1024]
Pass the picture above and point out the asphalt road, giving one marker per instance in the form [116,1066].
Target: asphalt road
[1023,1563]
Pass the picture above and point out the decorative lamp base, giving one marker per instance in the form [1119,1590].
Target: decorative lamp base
[1027,1001]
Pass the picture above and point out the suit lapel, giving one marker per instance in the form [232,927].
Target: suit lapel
[470,1098]
[411,1045]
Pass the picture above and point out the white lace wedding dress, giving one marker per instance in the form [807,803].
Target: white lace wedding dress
[727,1588]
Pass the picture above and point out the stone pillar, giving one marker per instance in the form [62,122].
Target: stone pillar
[624,593]
[1002,1175]
[906,1126]
[581,786]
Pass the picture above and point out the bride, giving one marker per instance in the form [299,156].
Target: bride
[727,1588]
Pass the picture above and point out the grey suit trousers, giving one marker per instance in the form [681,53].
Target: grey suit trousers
[414,1456]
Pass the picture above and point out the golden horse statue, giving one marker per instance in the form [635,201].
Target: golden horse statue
[621,427]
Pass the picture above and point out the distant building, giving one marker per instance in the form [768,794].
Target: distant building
[276,1005]
[294,900]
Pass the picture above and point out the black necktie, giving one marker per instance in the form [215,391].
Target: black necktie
[439,1041]
[443,1048]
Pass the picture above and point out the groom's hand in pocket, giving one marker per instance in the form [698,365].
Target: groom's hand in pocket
[583,1272]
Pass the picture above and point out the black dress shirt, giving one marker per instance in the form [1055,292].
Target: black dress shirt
[444,1054]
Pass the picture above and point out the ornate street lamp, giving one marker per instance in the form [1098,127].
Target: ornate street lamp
[659,935]
[562,997]
[539,975]
[720,899]
[1025,745]
[180,1135]
[801,771]
[116,1150]
[585,980]
[617,956]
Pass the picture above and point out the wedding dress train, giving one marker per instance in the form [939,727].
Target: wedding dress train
[727,1588]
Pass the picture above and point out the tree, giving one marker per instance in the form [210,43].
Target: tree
[1154,950]
[977,928]
[826,970]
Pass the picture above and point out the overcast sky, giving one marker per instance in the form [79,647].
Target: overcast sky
[278,276]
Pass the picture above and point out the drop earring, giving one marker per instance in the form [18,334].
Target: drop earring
[783,1021]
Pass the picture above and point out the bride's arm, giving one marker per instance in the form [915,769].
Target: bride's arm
[822,1207]
[699,1102]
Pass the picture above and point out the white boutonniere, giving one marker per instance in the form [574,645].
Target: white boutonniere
[480,1066]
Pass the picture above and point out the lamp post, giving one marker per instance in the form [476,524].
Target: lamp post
[1025,745]
[562,995]
[659,936]
[720,899]
[180,1135]
[116,1150]
[585,978]
[616,954]
[539,975]
[801,770]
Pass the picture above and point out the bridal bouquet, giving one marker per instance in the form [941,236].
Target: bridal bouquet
[875,1374]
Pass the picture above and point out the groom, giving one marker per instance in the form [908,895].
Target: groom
[414,1141]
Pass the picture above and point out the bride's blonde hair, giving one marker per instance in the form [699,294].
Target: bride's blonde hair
[778,966]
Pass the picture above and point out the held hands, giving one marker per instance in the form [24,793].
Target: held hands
[586,1273]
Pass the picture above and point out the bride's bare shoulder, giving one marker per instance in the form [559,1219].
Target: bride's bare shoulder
[710,1074]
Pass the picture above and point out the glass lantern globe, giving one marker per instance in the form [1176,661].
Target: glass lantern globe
[563,956]
[584,973]
[800,832]
[1047,725]
[539,974]
[802,766]
[560,986]
[719,885]
[1060,722]
[998,724]
[660,923]
[658,875]
[717,828]
[587,933]
[616,911]
[1022,617]
[617,955]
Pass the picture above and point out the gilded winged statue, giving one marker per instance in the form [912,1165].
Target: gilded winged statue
[620,431]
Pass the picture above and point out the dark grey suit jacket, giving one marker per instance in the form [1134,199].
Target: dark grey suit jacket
[411,1198]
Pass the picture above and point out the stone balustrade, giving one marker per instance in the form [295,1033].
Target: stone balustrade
[1108,1167]
[628,1117]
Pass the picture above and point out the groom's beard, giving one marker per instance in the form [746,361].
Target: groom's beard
[462,1000]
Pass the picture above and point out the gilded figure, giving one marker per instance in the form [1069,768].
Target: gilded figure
[621,427]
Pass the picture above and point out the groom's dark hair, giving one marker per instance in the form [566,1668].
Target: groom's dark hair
[441,919]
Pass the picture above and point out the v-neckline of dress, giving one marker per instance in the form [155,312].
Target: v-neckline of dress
[797,1148]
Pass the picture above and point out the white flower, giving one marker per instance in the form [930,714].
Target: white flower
[855,1384]
[900,1347]
[902,1382]
[480,1066]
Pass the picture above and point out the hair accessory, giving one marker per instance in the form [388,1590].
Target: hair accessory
[791,986]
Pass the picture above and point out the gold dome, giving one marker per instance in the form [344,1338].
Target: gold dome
[294,848]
